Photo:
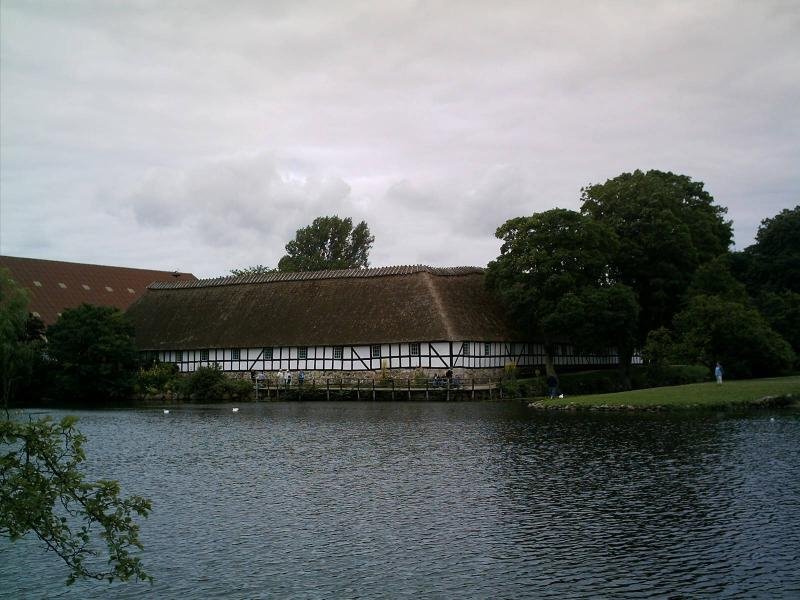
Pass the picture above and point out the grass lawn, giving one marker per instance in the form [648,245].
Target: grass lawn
[695,395]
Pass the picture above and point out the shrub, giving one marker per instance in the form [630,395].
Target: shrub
[209,384]
[158,379]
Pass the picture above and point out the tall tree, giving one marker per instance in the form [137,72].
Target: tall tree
[328,243]
[668,226]
[552,265]
[773,262]
[713,329]
[94,354]
[18,338]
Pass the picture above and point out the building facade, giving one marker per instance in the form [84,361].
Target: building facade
[396,318]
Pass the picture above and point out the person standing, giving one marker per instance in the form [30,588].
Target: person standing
[718,373]
[552,386]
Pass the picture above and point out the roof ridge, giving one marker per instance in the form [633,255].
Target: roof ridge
[315,275]
[441,308]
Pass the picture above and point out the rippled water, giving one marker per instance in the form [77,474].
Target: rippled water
[438,500]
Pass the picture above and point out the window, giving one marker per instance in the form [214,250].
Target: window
[235,354]
[375,351]
[487,349]
[179,356]
[413,348]
[204,355]
[267,353]
[302,353]
[465,348]
[338,351]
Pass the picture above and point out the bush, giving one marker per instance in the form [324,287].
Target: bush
[590,382]
[515,388]
[209,384]
[160,378]
[609,381]
[664,375]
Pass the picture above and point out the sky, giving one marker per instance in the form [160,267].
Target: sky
[199,136]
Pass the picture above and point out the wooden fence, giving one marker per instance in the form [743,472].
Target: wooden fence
[372,389]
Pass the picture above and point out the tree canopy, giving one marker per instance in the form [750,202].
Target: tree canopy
[667,226]
[93,351]
[553,271]
[328,243]
[252,270]
[20,335]
[773,262]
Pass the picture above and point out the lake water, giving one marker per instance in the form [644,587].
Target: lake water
[444,500]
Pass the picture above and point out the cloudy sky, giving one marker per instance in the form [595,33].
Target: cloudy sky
[199,136]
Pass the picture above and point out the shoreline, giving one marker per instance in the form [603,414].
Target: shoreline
[778,392]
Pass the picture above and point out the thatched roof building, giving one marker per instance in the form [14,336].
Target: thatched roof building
[325,308]
[409,317]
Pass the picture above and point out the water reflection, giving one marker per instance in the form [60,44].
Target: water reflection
[447,500]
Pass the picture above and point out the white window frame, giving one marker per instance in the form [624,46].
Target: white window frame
[414,348]
[302,352]
[236,354]
[338,352]
[375,351]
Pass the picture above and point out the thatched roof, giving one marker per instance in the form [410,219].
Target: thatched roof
[326,308]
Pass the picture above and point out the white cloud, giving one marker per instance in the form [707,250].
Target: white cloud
[210,132]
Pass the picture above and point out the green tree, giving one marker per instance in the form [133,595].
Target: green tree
[253,270]
[19,341]
[94,354]
[714,278]
[598,318]
[711,329]
[328,243]
[782,312]
[668,226]
[550,265]
[43,491]
[773,263]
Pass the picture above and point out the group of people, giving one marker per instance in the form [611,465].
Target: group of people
[444,380]
[284,377]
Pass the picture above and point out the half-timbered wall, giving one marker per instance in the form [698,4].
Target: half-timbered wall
[424,355]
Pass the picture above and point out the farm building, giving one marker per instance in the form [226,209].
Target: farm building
[397,318]
[55,285]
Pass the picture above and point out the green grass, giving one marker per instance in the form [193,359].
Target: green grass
[695,395]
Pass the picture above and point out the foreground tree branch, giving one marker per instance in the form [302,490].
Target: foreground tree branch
[43,491]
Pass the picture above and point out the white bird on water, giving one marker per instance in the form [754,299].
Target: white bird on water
[166,411]
[234,409]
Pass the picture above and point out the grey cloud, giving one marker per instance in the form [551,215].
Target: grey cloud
[230,125]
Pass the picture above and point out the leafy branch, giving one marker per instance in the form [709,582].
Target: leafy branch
[43,491]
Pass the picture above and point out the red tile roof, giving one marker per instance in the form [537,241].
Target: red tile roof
[55,285]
